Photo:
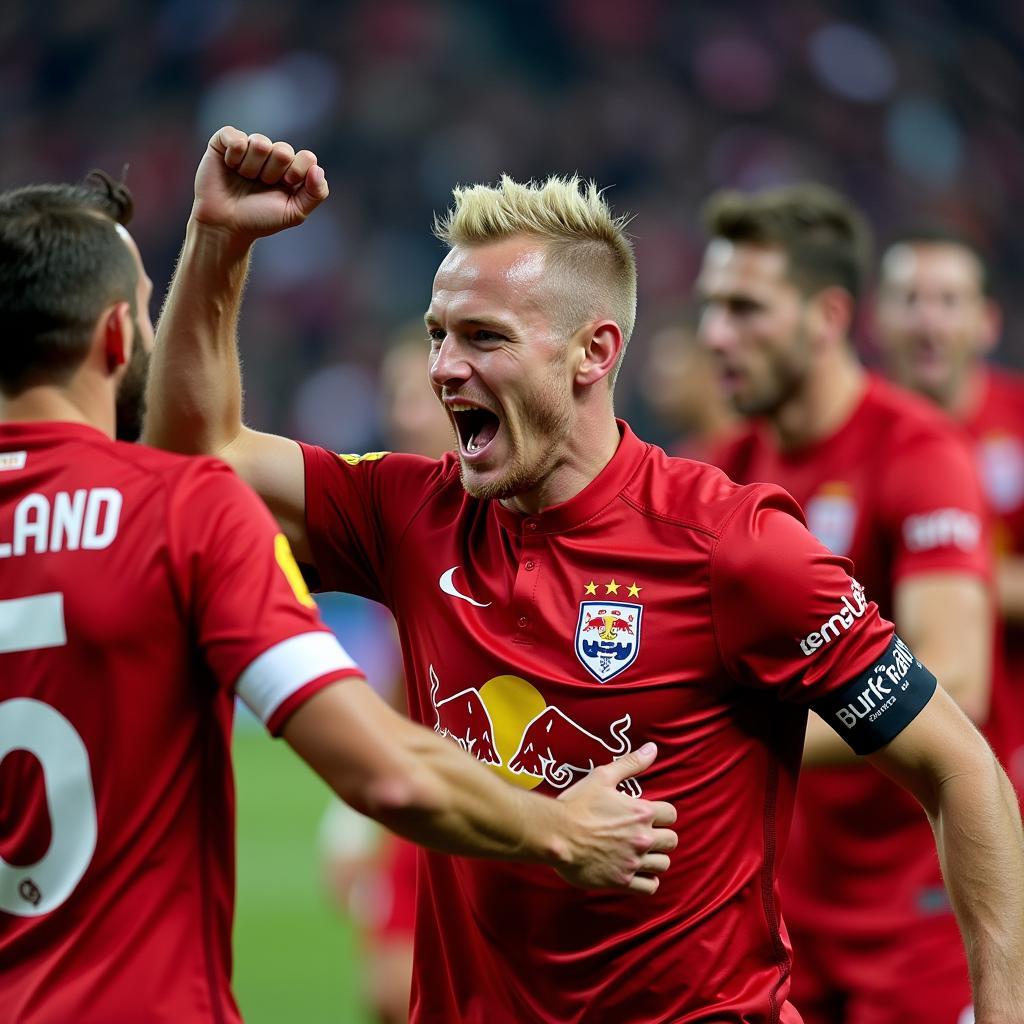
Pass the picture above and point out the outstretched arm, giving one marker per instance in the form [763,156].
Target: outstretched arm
[425,788]
[246,188]
[943,760]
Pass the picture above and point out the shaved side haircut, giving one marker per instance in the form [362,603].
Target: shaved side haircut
[588,254]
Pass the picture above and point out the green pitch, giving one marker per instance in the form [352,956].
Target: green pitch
[295,959]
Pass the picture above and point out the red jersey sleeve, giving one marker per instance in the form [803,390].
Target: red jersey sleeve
[252,618]
[787,613]
[931,501]
[357,508]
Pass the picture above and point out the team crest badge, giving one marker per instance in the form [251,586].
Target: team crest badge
[1001,466]
[608,634]
[831,517]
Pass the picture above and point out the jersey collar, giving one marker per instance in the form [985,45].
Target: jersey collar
[49,431]
[597,495]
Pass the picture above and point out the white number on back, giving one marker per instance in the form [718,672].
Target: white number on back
[33,889]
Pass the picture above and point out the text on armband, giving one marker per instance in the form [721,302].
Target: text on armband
[884,681]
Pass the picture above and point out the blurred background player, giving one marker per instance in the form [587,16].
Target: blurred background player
[370,872]
[140,592]
[680,387]
[887,482]
[937,323]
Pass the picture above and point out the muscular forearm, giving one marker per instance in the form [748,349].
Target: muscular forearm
[424,787]
[448,802]
[194,401]
[454,804]
[978,832]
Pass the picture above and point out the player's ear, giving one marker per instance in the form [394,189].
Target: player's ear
[116,327]
[599,347]
[831,312]
[992,326]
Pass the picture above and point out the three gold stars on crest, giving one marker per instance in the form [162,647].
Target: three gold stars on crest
[613,588]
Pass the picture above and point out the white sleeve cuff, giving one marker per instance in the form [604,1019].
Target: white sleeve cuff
[287,667]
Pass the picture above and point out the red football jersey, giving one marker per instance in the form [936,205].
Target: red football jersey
[138,592]
[893,489]
[661,603]
[997,429]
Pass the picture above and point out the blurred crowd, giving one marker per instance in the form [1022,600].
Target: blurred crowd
[911,109]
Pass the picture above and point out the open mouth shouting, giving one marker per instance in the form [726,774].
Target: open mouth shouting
[477,428]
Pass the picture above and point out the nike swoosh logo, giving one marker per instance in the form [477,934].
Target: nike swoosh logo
[448,587]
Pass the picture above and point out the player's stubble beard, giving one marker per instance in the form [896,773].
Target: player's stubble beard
[786,372]
[545,416]
[942,389]
[131,392]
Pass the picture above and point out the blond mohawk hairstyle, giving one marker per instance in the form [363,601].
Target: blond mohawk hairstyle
[585,241]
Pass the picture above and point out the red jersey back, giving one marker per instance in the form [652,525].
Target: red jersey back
[660,603]
[894,490]
[997,429]
[138,591]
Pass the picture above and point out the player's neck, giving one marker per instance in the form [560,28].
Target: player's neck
[585,454]
[968,394]
[824,403]
[48,404]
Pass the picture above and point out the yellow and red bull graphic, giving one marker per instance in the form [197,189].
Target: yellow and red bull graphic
[508,725]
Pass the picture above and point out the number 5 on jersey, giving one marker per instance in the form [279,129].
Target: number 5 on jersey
[29,890]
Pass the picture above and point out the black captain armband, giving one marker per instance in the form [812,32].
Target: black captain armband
[879,704]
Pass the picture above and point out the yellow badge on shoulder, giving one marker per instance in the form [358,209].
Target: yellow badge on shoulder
[291,570]
[354,460]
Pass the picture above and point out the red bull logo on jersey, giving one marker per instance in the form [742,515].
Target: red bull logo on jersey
[561,752]
[508,725]
[464,718]
[608,637]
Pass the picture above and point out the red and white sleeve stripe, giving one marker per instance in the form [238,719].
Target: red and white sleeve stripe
[284,676]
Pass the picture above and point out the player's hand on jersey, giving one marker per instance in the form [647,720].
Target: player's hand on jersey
[253,187]
[617,841]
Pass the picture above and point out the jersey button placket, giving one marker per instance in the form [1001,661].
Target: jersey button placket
[527,579]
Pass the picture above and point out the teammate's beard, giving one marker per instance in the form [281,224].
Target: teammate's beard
[786,377]
[131,393]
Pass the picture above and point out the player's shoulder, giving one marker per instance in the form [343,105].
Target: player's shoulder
[171,468]
[737,450]
[700,496]
[176,488]
[1004,387]
[1004,378]
[902,415]
[401,466]
[902,431]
